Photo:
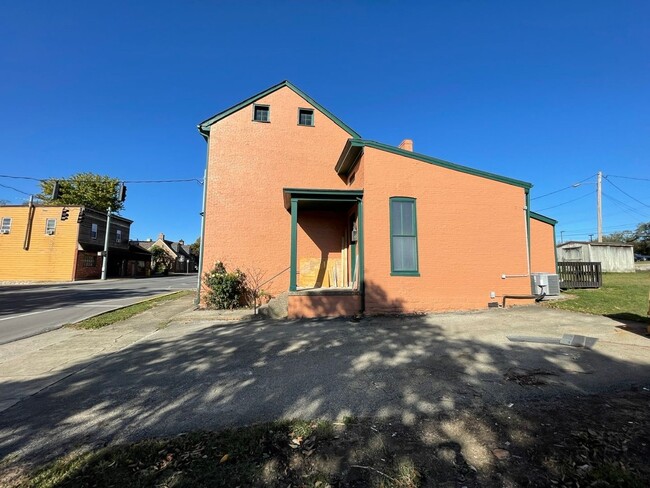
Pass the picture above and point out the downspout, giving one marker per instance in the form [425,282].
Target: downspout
[30,220]
[527,190]
[361,259]
[557,270]
[197,301]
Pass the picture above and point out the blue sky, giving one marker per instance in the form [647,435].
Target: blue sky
[548,92]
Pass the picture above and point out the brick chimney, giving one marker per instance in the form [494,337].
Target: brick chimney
[181,242]
[161,236]
[406,144]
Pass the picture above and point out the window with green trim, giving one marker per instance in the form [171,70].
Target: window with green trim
[261,113]
[305,117]
[403,237]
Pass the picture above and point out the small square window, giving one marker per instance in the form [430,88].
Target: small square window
[93,231]
[5,227]
[89,261]
[50,227]
[261,113]
[305,116]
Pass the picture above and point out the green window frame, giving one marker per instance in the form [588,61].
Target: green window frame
[306,117]
[261,113]
[403,237]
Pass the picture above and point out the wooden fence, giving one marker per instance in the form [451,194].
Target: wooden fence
[580,275]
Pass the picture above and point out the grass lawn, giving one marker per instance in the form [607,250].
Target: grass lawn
[127,312]
[623,296]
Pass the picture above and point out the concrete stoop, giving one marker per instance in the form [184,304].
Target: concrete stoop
[277,308]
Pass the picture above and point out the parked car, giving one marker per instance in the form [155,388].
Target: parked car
[641,257]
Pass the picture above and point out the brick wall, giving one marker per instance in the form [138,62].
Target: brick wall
[471,230]
[250,163]
[83,272]
[542,247]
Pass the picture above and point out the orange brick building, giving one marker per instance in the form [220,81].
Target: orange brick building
[347,225]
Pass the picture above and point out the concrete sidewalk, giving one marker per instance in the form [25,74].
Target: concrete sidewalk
[34,363]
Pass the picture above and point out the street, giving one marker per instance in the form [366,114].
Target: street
[27,310]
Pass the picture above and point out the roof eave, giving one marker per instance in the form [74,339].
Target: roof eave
[428,159]
[542,218]
[204,127]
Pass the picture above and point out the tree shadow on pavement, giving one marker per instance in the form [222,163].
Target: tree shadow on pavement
[440,382]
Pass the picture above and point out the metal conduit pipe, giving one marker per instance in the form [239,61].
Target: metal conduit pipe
[538,298]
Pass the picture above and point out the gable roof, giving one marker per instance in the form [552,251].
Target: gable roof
[611,244]
[353,149]
[205,125]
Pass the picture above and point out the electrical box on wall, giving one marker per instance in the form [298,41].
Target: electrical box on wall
[354,235]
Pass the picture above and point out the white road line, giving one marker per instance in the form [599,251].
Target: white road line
[30,313]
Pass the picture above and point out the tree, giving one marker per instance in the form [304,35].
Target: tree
[88,189]
[639,238]
[160,259]
[195,248]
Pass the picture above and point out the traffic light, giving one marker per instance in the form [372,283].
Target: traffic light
[57,191]
[121,192]
[65,213]
[82,214]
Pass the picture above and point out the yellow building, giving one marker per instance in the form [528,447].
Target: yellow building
[48,243]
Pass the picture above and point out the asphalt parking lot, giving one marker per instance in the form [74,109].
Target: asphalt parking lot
[198,373]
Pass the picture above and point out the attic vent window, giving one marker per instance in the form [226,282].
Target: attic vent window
[261,113]
[305,116]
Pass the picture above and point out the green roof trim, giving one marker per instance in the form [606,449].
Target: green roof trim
[204,126]
[318,194]
[542,218]
[345,164]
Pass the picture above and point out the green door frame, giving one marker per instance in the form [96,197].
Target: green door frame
[333,196]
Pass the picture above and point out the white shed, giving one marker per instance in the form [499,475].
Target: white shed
[612,256]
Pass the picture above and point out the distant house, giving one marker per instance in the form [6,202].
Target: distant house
[612,256]
[345,225]
[56,243]
[182,258]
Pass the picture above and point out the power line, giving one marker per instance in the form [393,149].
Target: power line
[187,180]
[563,189]
[15,189]
[568,201]
[197,180]
[20,177]
[624,206]
[628,177]
[627,194]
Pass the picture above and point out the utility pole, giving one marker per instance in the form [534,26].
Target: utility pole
[561,237]
[599,191]
[105,253]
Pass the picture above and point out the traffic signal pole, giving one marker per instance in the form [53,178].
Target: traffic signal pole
[105,253]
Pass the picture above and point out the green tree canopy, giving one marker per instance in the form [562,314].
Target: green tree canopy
[640,238]
[195,247]
[88,189]
[161,260]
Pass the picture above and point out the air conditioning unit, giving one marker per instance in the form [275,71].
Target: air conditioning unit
[4,231]
[50,232]
[545,283]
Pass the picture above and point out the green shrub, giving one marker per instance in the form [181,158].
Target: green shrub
[226,290]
